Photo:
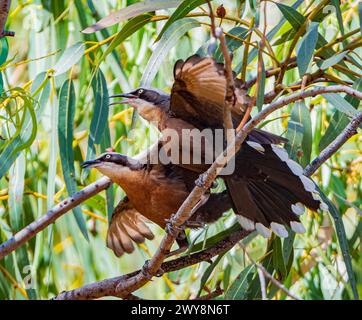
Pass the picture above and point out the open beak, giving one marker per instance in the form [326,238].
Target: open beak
[127,96]
[90,163]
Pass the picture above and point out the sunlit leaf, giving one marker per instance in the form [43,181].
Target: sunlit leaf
[70,57]
[208,272]
[333,60]
[182,10]
[168,40]
[130,12]
[341,104]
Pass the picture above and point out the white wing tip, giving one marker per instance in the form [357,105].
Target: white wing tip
[280,152]
[246,223]
[263,230]
[279,229]
[297,227]
[298,208]
[255,145]
[307,183]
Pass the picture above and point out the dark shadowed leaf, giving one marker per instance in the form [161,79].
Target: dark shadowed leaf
[238,290]
[231,42]
[4,49]
[208,272]
[65,139]
[130,12]
[99,120]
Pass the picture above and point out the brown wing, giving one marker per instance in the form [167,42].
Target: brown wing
[127,226]
[198,93]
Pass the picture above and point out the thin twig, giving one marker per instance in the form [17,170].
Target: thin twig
[276,282]
[66,205]
[211,295]
[127,285]
[348,132]
[107,287]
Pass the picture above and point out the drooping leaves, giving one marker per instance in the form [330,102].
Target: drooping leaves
[65,138]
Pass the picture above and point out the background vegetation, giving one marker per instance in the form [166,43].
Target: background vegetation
[54,87]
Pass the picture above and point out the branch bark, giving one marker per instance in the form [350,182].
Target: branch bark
[127,285]
[108,287]
[4,11]
[347,133]
[138,279]
[66,205]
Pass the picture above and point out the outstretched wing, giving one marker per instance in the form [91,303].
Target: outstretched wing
[127,226]
[198,93]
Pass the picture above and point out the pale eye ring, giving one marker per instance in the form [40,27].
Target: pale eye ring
[108,156]
[140,91]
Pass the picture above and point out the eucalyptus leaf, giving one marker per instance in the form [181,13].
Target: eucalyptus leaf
[130,12]
[168,41]
[341,104]
[70,57]
[182,10]
[330,62]
[238,290]
[306,48]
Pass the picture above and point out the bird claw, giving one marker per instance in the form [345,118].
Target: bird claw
[171,229]
[145,271]
[200,181]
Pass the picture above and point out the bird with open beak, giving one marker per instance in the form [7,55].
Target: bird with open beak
[268,190]
[155,192]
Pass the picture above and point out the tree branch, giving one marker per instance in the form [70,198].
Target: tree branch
[108,287]
[348,132]
[133,282]
[136,280]
[66,205]
[4,11]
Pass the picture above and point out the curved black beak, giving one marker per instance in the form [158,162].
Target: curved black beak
[90,163]
[127,97]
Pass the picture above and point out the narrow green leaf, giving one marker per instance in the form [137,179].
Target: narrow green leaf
[129,28]
[300,114]
[99,120]
[295,18]
[166,43]
[130,12]
[343,242]
[181,11]
[65,139]
[336,4]
[238,290]
[70,57]
[295,137]
[340,104]
[278,257]
[339,120]
[208,271]
[1,84]
[261,84]
[333,60]
[306,48]
[4,50]
[232,43]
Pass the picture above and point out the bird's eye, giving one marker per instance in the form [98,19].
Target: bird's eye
[140,91]
[108,156]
